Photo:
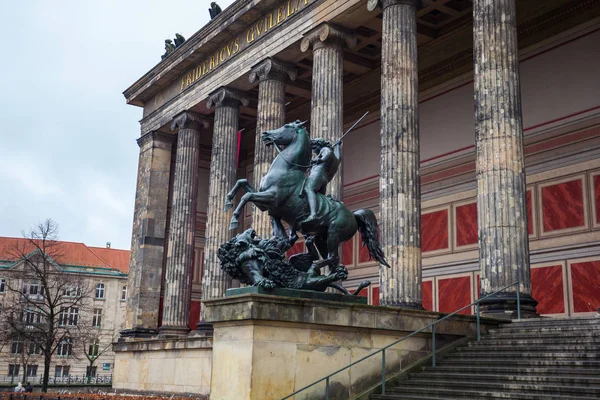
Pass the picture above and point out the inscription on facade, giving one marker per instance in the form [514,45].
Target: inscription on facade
[259,28]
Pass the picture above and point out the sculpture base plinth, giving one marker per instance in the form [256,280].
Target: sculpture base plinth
[298,294]
[267,346]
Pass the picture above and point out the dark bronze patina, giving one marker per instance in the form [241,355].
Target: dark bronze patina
[325,224]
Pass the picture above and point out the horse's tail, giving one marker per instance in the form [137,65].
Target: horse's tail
[367,223]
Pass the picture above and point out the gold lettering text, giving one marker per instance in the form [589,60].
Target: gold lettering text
[221,53]
[280,14]
[250,35]
[182,83]
[211,63]
[236,45]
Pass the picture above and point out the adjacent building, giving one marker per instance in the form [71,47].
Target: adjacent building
[103,273]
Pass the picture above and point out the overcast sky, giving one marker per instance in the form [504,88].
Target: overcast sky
[67,138]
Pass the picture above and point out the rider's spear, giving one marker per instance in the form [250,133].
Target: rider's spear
[352,127]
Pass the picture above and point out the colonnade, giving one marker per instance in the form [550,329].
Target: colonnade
[503,240]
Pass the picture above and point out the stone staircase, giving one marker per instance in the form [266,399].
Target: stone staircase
[536,359]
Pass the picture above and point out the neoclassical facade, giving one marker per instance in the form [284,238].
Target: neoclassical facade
[480,152]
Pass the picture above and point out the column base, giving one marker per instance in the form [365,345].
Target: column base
[504,306]
[173,331]
[205,329]
[138,333]
[401,304]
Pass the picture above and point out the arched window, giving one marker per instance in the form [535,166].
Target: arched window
[100,291]
[124,293]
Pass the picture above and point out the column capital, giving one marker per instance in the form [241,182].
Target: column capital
[189,120]
[327,34]
[273,69]
[155,136]
[226,97]
[418,4]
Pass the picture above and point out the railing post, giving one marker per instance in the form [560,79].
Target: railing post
[518,302]
[433,346]
[478,323]
[327,388]
[383,372]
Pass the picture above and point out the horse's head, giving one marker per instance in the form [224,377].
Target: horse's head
[283,136]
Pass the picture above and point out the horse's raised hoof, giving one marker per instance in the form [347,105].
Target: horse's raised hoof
[228,205]
[233,224]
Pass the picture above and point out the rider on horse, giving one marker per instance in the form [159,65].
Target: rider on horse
[324,167]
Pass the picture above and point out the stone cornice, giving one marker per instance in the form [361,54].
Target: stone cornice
[418,4]
[155,136]
[214,27]
[327,34]
[226,97]
[273,69]
[189,120]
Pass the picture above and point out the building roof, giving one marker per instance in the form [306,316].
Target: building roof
[69,254]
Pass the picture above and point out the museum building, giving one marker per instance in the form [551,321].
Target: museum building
[480,153]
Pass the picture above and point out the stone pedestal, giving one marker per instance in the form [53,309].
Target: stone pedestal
[501,187]
[148,238]
[265,347]
[270,114]
[327,107]
[400,181]
[164,367]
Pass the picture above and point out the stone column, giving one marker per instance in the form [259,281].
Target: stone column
[227,104]
[501,189]
[272,75]
[182,225]
[327,114]
[400,184]
[148,237]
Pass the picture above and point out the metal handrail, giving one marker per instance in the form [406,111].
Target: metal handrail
[433,348]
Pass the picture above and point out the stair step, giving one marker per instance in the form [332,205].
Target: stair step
[471,370]
[479,361]
[531,378]
[480,394]
[533,341]
[545,329]
[523,360]
[499,386]
[575,348]
[501,355]
[552,322]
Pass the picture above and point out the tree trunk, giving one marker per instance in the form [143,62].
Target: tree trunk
[47,360]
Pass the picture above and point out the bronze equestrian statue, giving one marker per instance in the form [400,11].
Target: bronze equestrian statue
[281,193]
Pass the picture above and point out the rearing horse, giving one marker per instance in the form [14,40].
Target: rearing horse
[280,194]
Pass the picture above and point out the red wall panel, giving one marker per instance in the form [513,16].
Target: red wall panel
[562,205]
[585,277]
[363,252]
[529,213]
[454,293]
[466,224]
[427,295]
[375,296]
[547,289]
[194,314]
[347,252]
[597,197]
[434,231]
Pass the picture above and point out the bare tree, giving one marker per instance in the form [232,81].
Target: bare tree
[44,300]
[94,345]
